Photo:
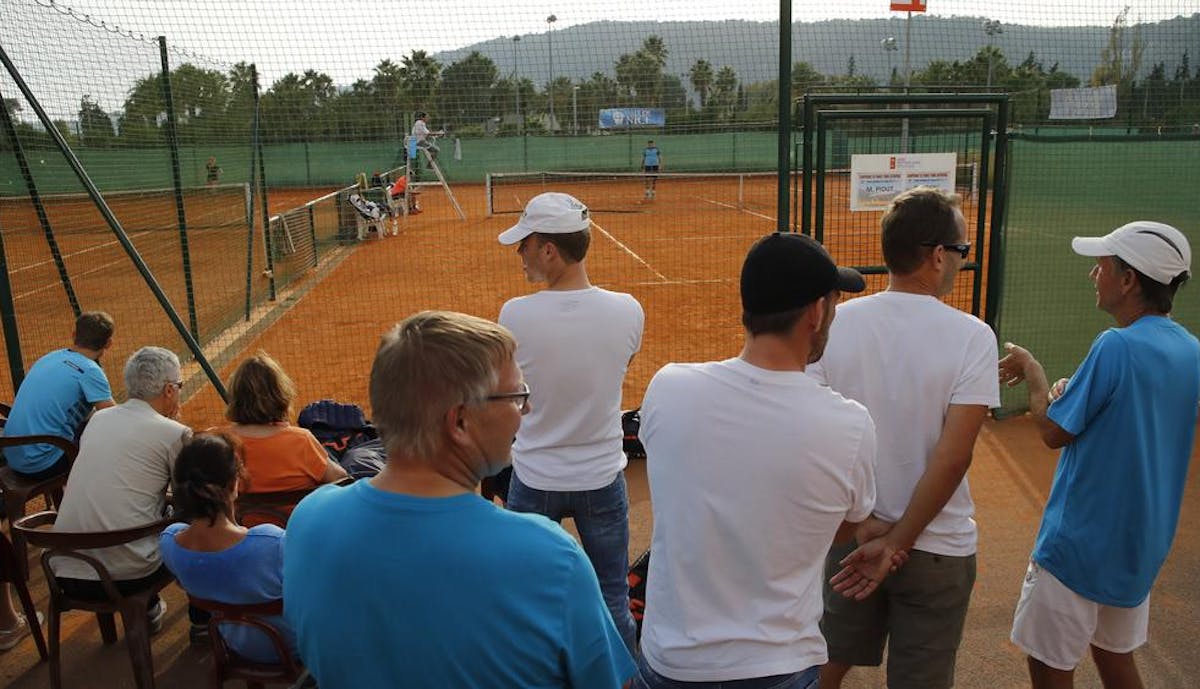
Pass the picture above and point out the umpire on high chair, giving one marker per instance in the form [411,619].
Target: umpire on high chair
[574,345]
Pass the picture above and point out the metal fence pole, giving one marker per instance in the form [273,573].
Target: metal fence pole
[177,182]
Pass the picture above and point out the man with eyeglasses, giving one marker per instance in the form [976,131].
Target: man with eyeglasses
[120,479]
[1125,422]
[926,372]
[409,578]
[574,345]
[753,468]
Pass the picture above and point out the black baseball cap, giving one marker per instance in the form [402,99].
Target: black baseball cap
[785,271]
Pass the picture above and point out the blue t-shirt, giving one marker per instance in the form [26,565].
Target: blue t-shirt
[1115,500]
[249,572]
[55,399]
[392,590]
[650,156]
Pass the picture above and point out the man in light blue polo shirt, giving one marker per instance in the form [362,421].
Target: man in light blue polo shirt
[1125,420]
[58,394]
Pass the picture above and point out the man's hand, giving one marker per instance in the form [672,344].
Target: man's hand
[1017,365]
[864,569]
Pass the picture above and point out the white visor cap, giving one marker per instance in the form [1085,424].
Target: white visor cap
[1158,251]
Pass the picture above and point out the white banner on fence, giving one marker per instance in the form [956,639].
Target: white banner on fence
[876,179]
[1099,103]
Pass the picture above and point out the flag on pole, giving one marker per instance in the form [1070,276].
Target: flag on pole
[908,6]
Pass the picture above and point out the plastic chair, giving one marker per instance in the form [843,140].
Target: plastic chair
[228,665]
[132,607]
[11,572]
[19,491]
[274,507]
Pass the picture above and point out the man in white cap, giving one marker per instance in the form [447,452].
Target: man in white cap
[574,345]
[1125,421]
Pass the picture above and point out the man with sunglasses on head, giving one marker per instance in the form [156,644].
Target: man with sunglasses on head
[574,345]
[926,372]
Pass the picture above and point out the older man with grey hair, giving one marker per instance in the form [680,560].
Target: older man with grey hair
[119,480]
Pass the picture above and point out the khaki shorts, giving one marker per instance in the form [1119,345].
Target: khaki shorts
[918,612]
[1055,625]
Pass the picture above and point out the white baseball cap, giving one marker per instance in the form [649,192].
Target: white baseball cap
[549,213]
[1158,251]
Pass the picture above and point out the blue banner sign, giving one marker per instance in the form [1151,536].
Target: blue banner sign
[621,118]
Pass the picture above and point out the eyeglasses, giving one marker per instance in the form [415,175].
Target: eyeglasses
[962,249]
[520,398]
[178,385]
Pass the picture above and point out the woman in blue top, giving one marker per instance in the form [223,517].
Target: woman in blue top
[214,557]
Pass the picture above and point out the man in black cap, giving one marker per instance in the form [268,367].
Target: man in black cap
[753,469]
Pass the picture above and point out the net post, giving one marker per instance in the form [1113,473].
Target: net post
[177,182]
[487,185]
[40,209]
[741,191]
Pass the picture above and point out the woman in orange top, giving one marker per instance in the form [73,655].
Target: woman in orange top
[278,456]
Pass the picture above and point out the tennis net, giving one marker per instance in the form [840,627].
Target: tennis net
[634,192]
[210,207]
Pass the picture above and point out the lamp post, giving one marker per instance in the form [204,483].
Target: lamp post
[991,27]
[890,47]
[517,85]
[575,110]
[550,86]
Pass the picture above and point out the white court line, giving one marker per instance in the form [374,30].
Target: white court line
[629,251]
[730,205]
[668,283]
[78,253]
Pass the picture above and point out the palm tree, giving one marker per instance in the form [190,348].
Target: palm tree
[419,75]
[701,76]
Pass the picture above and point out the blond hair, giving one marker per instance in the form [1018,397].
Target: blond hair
[428,364]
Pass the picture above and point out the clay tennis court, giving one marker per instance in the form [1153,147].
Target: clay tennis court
[679,255]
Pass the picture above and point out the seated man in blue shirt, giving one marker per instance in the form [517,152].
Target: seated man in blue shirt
[1125,420]
[410,579]
[58,394]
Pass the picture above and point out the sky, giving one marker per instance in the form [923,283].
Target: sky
[346,39]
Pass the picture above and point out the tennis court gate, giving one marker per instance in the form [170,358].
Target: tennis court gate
[837,127]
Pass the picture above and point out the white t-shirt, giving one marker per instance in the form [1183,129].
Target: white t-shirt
[908,357]
[573,348]
[119,481]
[420,131]
[751,473]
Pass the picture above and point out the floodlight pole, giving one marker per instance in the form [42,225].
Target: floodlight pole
[991,27]
[550,86]
[517,85]
[575,110]
[907,78]
[784,136]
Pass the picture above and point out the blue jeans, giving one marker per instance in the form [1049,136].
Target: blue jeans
[647,678]
[602,520]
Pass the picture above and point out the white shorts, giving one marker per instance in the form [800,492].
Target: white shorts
[1055,625]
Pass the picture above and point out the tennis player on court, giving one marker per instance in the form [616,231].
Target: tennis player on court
[651,164]
[1125,420]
